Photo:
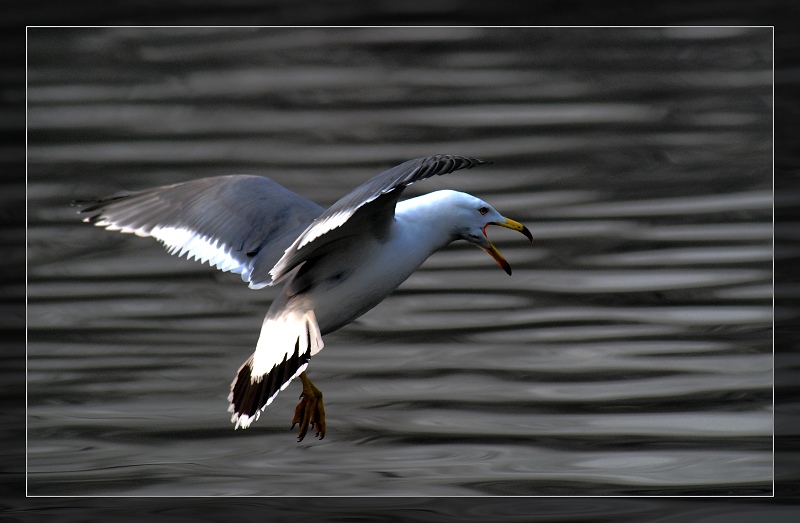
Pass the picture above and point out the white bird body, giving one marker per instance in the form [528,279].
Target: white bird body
[421,226]
[345,262]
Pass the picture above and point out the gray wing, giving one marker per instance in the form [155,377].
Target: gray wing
[240,223]
[370,205]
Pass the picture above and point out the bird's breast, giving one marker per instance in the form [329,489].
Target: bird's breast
[353,279]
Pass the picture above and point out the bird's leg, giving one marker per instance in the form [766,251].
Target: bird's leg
[310,410]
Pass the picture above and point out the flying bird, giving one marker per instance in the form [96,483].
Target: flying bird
[334,264]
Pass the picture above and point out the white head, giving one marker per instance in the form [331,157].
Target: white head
[468,216]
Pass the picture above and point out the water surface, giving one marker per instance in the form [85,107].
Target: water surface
[630,353]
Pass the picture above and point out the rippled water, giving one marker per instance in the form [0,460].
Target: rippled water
[629,353]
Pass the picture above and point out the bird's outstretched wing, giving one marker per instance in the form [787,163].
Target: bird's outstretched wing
[237,223]
[370,206]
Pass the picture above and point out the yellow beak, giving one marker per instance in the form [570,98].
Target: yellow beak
[492,250]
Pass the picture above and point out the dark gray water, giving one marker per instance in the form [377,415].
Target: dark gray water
[630,353]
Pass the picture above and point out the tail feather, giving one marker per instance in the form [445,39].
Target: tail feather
[284,349]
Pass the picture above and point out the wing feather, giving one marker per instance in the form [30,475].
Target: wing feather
[237,223]
[366,197]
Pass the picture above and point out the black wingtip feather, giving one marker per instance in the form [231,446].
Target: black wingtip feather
[97,206]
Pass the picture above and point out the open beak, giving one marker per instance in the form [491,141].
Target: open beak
[492,250]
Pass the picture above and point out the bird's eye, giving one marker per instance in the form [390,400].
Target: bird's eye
[483,210]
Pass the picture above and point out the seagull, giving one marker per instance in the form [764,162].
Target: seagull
[334,264]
